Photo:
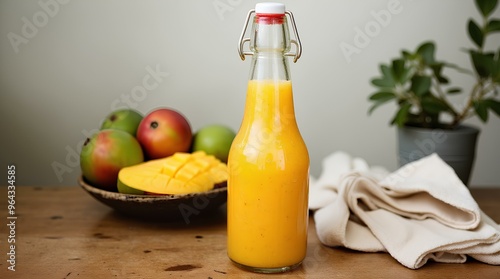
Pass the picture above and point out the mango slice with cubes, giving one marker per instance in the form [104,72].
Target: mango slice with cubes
[181,173]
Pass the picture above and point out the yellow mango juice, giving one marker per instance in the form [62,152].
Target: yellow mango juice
[268,182]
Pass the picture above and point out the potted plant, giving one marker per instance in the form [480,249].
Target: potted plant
[428,122]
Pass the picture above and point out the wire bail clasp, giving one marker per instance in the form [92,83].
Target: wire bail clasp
[298,51]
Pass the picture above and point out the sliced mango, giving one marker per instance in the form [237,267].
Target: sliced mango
[181,173]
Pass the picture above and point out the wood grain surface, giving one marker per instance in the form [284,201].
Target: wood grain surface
[62,232]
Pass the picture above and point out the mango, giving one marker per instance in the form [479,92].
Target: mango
[123,119]
[105,153]
[181,173]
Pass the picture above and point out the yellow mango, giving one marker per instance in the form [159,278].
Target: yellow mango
[181,173]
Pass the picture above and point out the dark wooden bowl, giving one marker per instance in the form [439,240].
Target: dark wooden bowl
[181,208]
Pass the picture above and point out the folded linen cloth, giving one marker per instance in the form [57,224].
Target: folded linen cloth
[420,212]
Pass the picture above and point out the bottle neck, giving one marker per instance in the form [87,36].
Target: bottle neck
[269,42]
[271,100]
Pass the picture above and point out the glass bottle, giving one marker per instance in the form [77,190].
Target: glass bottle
[268,160]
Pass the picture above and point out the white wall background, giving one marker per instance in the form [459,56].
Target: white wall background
[84,58]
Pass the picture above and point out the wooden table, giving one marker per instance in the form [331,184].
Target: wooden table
[62,232]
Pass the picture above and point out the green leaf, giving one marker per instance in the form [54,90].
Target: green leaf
[436,68]
[407,55]
[486,6]
[382,96]
[493,26]
[481,109]
[454,90]
[386,81]
[426,50]
[420,85]
[475,33]
[483,63]
[443,80]
[387,73]
[374,106]
[398,69]
[407,74]
[402,115]
[433,105]
[494,105]
[383,83]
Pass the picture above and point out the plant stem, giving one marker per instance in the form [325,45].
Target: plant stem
[443,96]
[470,102]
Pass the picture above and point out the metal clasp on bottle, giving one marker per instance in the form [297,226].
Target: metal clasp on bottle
[298,51]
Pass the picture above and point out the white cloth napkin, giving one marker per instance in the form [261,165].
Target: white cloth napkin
[421,211]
